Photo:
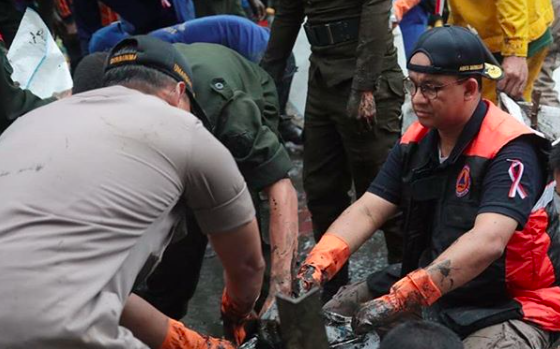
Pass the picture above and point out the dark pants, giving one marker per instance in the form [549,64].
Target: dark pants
[283,86]
[337,155]
[174,281]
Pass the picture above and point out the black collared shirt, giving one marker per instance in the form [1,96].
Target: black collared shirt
[497,181]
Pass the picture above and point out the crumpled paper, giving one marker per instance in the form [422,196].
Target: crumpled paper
[38,63]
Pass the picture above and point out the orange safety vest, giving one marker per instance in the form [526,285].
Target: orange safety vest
[525,282]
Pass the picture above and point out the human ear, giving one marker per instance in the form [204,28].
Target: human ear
[472,89]
[180,89]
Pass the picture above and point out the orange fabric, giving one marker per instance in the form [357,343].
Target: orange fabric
[498,128]
[414,133]
[108,16]
[180,337]
[417,288]
[64,8]
[401,7]
[530,276]
[234,318]
[324,260]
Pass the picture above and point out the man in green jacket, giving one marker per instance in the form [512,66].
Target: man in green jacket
[354,98]
[241,107]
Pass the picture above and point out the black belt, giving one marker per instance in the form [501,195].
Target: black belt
[333,33]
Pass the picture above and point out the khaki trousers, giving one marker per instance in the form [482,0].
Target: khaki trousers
[512,334]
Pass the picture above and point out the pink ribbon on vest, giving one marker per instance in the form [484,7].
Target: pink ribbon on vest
[515,173]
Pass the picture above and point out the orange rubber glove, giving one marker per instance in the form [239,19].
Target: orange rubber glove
[180,337]
[323,262]
[401,7]
[234,319]
[408,294]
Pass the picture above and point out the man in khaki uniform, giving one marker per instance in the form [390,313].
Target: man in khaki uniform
[90,202]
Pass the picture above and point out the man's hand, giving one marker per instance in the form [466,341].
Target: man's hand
[158,331]
[415,290]
[515,76]
[361,107]
[322,263]
[374,314]
[258,8]
[234,319]
[307,278]
[62,94]
[179,337]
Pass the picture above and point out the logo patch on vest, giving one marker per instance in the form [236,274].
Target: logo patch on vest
[463,182]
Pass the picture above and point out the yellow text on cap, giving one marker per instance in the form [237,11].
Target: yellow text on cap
[123,58]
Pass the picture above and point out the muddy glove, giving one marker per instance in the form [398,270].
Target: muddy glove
[362,109]
[322,263]
[234,319]
[415,290]
[180,337]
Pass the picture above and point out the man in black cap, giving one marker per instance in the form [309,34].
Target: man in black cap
[102,181]
[481,240]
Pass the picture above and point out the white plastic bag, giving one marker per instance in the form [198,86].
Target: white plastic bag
[38,64]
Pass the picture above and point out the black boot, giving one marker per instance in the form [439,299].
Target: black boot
[289,131]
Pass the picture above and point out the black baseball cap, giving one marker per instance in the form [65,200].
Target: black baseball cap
[455,50]
[159,55]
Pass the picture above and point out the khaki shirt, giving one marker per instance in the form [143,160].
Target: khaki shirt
[92,187]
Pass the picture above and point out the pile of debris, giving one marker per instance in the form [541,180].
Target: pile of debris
[300,323]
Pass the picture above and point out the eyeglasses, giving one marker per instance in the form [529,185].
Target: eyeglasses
[429,91]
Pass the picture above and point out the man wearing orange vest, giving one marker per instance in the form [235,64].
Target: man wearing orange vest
[481,239]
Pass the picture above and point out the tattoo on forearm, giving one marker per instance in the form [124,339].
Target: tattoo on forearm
[443,269]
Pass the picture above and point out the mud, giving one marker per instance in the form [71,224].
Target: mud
[338,329]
